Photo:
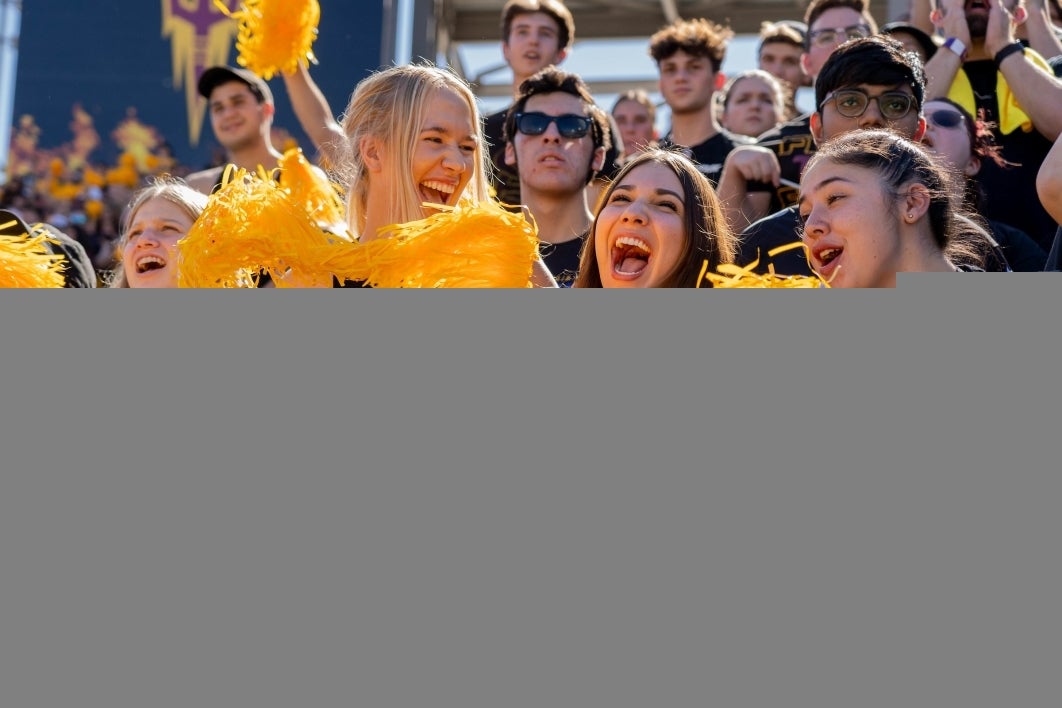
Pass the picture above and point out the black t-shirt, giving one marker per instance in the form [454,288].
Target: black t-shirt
[1022,253]
[562,259]
[778,229]
[506,180]
[1054,256]
[792,143]
[1010,192]
[708,155]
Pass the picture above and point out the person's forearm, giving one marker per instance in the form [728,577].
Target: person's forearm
[1049,182]
[1038,30]
[1038,93]
[540,275]
[315,115]
[941,70]
[740,207]
[920,10]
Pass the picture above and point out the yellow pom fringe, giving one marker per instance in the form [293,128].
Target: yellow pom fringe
[273,36]
[26,262]
[251,224]
[470,246]
[732,276]
[309,189]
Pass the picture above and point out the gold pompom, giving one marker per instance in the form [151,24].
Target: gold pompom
[308,188]
[732,276]
[250,224]
[469,246]
[26,262]
[274,36]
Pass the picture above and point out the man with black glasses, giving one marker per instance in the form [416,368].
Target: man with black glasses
[763,178]
[866,83]
[556,138]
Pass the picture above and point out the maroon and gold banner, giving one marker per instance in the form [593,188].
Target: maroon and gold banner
[201,35]
[132,88]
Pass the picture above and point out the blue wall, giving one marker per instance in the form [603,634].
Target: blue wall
[109,59]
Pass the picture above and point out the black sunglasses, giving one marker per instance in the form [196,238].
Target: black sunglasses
[945,118]
[569,125]
[852,103]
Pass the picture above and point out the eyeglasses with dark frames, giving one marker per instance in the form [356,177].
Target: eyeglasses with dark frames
[827,36]
[569,125]
[852,103]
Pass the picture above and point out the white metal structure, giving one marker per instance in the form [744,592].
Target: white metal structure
[10,26]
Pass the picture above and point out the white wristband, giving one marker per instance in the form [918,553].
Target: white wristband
[955,44]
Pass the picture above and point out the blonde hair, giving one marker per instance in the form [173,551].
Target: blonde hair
[174,190]
[391,105]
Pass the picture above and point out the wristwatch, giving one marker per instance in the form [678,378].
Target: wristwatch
[1012,48]
[955,44]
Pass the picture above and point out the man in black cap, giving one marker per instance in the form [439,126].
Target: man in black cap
[241,111]
[77,267]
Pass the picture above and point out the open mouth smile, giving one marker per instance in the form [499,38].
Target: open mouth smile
[146,264]
[829,261]
[437,192]
[630,257]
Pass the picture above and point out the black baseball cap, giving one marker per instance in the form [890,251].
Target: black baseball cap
[215,76]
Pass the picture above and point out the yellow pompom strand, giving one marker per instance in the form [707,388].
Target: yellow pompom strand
[732,276]
[273,36]
[26,262]
[469,246]
[310,190]
[249,225]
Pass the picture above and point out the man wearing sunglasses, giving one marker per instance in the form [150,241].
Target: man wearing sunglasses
[985,69]
[760,179]
[556,138]
[535,34]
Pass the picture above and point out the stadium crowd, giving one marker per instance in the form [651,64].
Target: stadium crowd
[934,145]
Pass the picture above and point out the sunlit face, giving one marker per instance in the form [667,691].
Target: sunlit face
[782,60]
[149,255]
[635,125]
[751,108]
[236,116]
[818,51]
[640,231]
[445,150]
[950,142]
[686,82]
[829,123]
[851,226]
[551,164]
[532,45]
